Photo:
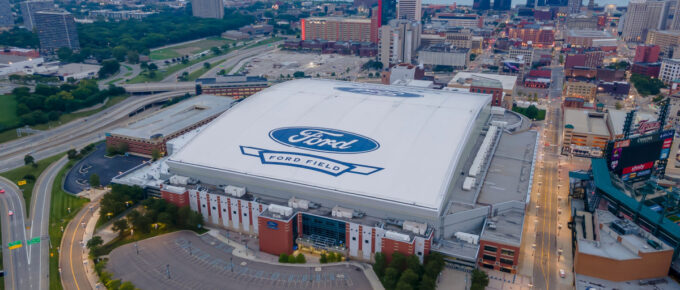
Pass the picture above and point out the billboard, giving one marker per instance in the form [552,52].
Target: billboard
[637,158]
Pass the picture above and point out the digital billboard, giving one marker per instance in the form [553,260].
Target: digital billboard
[637,158]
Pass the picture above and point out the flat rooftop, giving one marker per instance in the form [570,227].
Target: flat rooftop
[589,33]
[508,226]
[586,121]
[338,19]
[609,247]
[176,117]
[464,79]
[390,143]
[75,68]
[618,118]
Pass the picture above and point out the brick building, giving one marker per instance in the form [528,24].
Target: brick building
[647,53]
[488,86]
[234,86]
[340,29]
[649,69]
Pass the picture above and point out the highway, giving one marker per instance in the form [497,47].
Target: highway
[75,134]
[74,272]
[13,229]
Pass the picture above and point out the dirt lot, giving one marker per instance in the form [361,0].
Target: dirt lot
[276,64]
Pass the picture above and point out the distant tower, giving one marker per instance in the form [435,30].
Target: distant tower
[208,8]
[56,29]
[591,5]
[481,4]
[6,18]
[409,9]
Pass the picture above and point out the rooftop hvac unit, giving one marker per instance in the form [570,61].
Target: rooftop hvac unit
[235,191]
[280,209]
[174,189]
[298,203]
[483,151]
[491,225]
[397,236]
[177,179]
[416,228]
[469,238]
[469,183]
[342,212]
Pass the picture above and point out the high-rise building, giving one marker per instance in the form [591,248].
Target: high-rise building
[481,4]
[591,5]
[643,16]
[340,29]
[670,70]
[665,39]
[502,5]
[387,9]
[208,8]
[647,53]
[56,29]
[535,3]
[6,18]
[574,6]
[398,42]
[29,8]
[410,9]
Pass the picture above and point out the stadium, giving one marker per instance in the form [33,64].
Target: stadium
[353,168]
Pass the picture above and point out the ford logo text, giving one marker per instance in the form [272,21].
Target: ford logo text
[323,140]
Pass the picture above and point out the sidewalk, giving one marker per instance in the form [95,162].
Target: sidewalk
[249,254]
[89,231]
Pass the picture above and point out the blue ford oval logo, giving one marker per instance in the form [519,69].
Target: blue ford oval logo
[323,140]
[378,92]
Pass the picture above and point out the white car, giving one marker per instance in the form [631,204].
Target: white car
[562,274]
[10,213]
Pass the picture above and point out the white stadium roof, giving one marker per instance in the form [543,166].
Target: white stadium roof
[379,142]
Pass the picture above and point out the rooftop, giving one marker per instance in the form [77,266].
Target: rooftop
[618,118]
[464,79]
[176,117]
[505,227]
[399,144]
[586,121]
[6,59]
[588,33]
[337,19]
[75,68]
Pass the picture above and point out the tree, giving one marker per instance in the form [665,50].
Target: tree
[300,259]
[132,56]
[561,59]
[155,154]
[109,67]
[380,264]
[409,277]
[283,258]
[94,180]
[403,286]
[127,286]
[427,283]
[152,66]
[120,226]
[94,242]
[413,264]
[618,105]
[324,260]
[119,52]
[215,50]
[299,74]
[113,284]
[390,278]
[28,159]
[72,154]
[64,53]
[398,261]
[531,112]
[479,280]
[206,65]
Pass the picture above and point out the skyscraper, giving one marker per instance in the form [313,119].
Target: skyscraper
[6,18]
[481,4]
[643,16]
[29,8]
[574,6]
[398,42]
[56,29]
[501,5]
[387,10]
[410,9]
[208,8]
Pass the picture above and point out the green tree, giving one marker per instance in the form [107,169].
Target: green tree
[403,286]
[120,226]
[109,67]
[28,159]
[618,105]
[413,264]
[380,264]
[410,278]
[427,283]
[206,65]
[299,74]
[323,259]
[215,50]
[127,286]
[113,284]
[94,242]
[119,52]
[300,259]
[94,180]
[398,261]
[561,59]
[390,278]
[283,258]
[155,154]
[72,154]
[531,112]
[132,56]
[479,280]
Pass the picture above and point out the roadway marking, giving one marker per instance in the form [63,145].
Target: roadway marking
[9,231]
[70,256]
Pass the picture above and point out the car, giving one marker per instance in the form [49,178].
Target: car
[10,213]
[2,190]
[562,274]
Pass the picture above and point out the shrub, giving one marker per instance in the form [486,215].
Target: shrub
[283,258]
[300,259]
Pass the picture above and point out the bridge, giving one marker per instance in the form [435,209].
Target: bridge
[154,88]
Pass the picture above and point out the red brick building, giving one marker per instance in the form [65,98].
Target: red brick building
[489,86]
[649,69]
[499,244]
[647,53]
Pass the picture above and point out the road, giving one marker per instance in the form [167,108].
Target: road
[232,59]
[13,229]
[75,134]
[74,272]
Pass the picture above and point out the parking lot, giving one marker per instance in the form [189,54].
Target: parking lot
[276,63]
[107,168]
[183,260]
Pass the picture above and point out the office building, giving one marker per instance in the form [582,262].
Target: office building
[399,42]
[340,29]
[6,17]
[643,16]
[29,8]
[120,15]
[387,10]
[537,35]
[670,70]
[584,89]
[581,22]
[587,38]
[460,20]
[651,70]
[208,8]
[502,5]
[647,53]
[481,4]
[586,132]
[665,39]
[489,86]
[574,6]
[443,54]
[409,9]
[56,29]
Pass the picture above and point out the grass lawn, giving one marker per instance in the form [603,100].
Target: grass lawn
[127,67]
[8,116]
[19,173]
[266,41]
[189,48]
[59,216]
[199,72]
[10,135]
[539,117]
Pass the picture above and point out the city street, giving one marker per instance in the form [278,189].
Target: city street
[15,261]
[71,263]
